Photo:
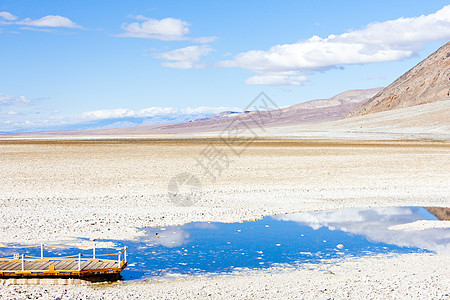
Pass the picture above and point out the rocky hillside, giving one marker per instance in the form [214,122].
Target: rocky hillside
[313,111]
[442,213]
[427,82]
[352,97]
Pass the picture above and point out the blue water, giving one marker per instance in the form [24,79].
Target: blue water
[293,239]
[287,239]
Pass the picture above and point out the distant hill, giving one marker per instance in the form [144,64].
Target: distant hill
[310,112]
[427,82]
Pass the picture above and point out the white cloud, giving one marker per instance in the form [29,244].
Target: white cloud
[168,29]
[47,21]
[7,16]
[204,40]
[107,114]
[404,33]
[36,29]
[185,58]
[174,238]
[182,65]
[276,79]
[374,224]
[14,100]
[377,42]
[150,112]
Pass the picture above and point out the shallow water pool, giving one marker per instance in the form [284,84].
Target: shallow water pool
[291,239]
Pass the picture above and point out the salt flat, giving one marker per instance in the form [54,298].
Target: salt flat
[57,190]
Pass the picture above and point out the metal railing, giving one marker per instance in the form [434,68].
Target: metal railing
[78,257]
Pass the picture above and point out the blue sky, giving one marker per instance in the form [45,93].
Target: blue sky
[77,61]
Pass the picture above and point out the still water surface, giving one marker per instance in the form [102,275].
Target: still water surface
[291,239]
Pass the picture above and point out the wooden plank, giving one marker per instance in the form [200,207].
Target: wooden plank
[29,265]
[45,265]
[55,263]
[91,265]
[62,265]
[7,266]
[84,264]
[103,265]
[71,266]
[25,266]
[95,265]
[106,264]
[41,266]
[58,265]
[16,266]
[65,265]
[87,265]
[111,265]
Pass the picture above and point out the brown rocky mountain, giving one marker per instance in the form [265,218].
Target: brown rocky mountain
[442,213]
[427,82]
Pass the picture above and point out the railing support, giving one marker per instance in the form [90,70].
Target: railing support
[42,251]
[79,261]
[118,261]
[23,264]
[125,253]
[93,252]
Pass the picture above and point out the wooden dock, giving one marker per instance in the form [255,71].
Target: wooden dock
[87,267]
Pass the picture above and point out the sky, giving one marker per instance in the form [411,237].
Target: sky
[69,62]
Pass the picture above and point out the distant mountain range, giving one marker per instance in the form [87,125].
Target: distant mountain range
[310,112]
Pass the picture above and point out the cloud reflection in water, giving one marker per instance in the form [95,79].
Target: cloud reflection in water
[373,223]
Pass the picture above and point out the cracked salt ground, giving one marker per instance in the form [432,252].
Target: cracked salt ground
[292,239]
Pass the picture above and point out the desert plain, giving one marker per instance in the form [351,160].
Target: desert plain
[62,189]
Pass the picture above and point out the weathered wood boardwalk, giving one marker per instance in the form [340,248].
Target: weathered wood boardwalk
[87,267]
